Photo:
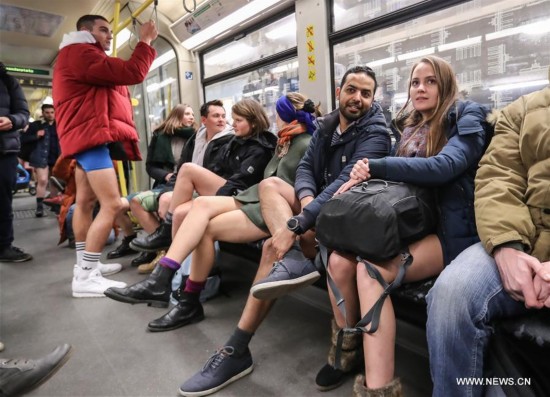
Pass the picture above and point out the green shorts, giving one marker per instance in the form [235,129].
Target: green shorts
[149,200]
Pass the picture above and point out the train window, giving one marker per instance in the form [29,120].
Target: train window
[154,99]
[265,85]
[495,46]
[352,12]
[271,39]
[161,85]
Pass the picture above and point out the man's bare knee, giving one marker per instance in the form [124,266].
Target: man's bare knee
[187,169]
[273,184]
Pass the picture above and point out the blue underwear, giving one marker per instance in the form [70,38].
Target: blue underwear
[97,158]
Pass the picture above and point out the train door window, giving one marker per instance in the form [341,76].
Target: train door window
[495,46]
[271,39]
[352,12]
[161,84]
[265,84]
[153,100]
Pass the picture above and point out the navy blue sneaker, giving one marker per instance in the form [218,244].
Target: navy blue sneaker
[221,369]
[292,272]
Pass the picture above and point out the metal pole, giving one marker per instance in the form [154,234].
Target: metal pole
[136,13]
[115,24]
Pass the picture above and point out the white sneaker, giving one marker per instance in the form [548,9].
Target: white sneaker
[107,269]
[91,284]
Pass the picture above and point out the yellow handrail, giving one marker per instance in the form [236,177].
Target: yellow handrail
[135,14]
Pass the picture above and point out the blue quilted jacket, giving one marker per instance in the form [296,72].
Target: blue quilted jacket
[451,172]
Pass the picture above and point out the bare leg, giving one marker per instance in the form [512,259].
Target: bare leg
[147,220]
[234,227]
[41,181]
[123,220]
[342,270]
[256,310]
[194,225]
[103,183]
[379,347]
[84,208]
[180,213]
[193,177]
[278,202]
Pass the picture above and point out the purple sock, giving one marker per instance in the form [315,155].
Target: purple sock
[194,287]
[169,263]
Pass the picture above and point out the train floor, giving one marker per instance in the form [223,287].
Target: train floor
[114,355]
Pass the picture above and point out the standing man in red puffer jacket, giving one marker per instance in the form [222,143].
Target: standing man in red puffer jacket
[93,114]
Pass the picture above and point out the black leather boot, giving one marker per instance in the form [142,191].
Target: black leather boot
[154,290]
[123,249]
[160,239]
[144,257]
[187,311]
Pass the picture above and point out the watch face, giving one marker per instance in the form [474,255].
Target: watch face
[292,224]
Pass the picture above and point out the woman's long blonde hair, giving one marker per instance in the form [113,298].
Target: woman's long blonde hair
[174,120]
[447,96]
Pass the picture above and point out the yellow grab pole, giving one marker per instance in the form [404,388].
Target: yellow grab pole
[135,14]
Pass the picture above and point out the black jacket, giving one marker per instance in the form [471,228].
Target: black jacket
[325,167]
[13,105]
[244,161]
[212,157]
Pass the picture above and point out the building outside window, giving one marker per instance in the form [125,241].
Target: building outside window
[499,50]
[262,79]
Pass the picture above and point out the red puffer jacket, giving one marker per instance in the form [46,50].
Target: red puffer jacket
[92,102]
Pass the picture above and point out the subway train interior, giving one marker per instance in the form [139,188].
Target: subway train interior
[232,50]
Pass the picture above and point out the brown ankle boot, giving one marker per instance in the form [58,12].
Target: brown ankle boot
[392,389]
[351,358]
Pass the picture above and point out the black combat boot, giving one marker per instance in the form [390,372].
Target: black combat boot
[160,239]
[154,290]
[123,249]
[187,311]
[143,258]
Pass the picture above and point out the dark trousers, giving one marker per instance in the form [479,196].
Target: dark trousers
[8,176]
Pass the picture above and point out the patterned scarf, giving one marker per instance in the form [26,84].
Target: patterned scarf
[286,134]
[414,141]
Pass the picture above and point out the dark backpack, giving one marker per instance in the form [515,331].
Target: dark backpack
[376,219]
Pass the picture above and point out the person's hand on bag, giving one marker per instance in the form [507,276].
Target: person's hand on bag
[358,174]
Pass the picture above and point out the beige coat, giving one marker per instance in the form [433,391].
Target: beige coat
[512,197]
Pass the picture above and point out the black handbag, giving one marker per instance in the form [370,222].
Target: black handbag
[376,219]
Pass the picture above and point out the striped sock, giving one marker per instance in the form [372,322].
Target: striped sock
[90,260]
[79,247]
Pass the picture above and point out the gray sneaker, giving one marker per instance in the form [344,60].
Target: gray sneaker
[221,369]
[292,272]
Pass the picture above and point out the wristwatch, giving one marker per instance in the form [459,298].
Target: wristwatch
[294,226]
